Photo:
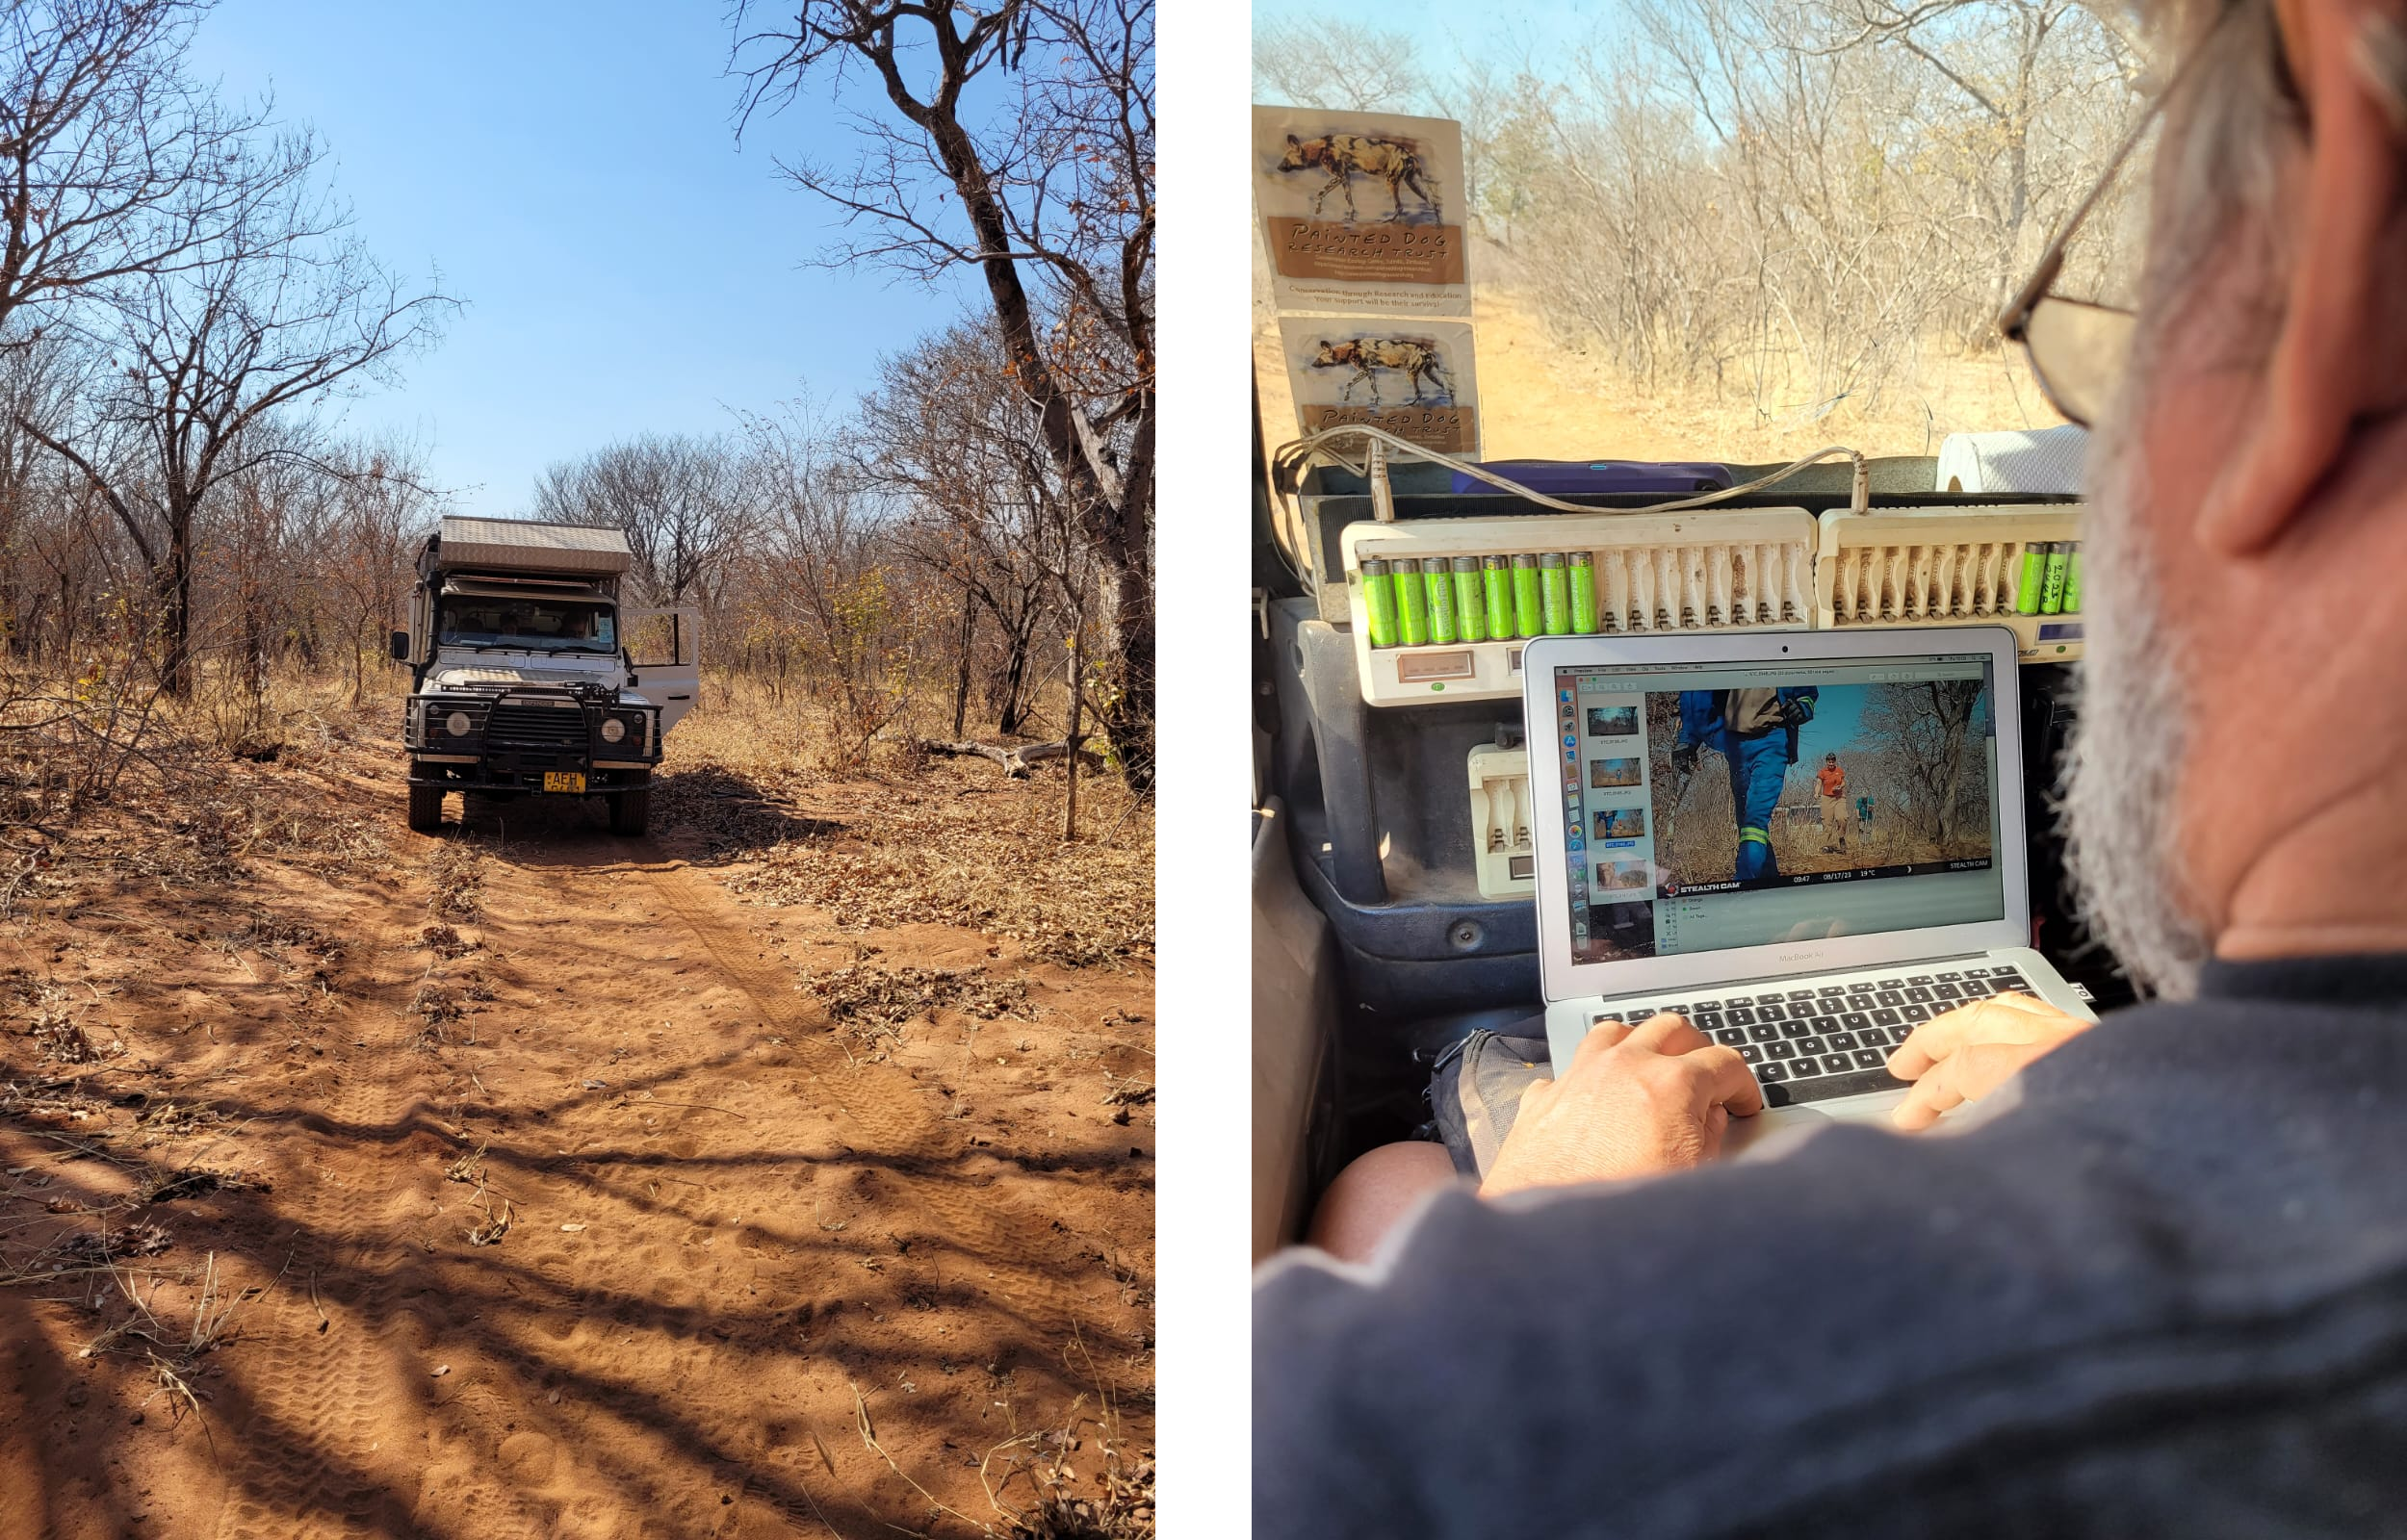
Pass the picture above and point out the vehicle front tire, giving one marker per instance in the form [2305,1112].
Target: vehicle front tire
[425,810]
[631,812]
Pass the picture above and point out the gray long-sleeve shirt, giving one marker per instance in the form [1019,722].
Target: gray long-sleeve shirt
[2165,1292]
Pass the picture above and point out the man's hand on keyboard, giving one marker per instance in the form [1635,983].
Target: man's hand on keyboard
[1636,1100]
[1973,1049]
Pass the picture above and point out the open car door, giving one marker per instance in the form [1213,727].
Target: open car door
[664,648]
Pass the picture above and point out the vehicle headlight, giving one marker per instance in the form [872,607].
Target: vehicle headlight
[456,724]
[614,730]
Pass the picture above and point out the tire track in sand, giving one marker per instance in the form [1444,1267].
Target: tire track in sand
[324,1392]
[892,1124]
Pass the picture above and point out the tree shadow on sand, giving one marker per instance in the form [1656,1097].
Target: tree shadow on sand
[522,1339]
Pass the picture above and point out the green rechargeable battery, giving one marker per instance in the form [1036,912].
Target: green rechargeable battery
[2072,582]
[1470,608]
[1438,576]
[1582,593]
[1529,613]
[1411,604]
[1496,579]
[1379,600]
[2035,573]
[2051,587]
[1554,590]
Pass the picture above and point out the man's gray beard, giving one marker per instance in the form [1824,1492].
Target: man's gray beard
[2130,735]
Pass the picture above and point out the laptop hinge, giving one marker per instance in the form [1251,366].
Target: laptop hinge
[1791,978]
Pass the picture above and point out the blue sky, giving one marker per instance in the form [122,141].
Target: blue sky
[1838,722]
[573,171]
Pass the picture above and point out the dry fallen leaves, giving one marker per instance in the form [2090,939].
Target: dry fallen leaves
[953,846]
[134,1241]
[872,998]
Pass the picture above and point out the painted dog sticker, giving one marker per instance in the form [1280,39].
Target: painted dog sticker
[1418,360]
[1341,157]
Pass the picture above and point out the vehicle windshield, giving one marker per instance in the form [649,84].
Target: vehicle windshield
[535,624]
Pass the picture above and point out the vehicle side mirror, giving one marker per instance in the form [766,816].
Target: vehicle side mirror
[400,647]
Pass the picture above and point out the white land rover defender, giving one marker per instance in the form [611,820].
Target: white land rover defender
[526,678]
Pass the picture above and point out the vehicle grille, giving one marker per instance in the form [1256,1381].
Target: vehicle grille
[548,725]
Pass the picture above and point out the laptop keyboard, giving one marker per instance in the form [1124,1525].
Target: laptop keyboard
[1813,1042]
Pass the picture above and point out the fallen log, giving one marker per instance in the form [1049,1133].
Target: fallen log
[1014,761]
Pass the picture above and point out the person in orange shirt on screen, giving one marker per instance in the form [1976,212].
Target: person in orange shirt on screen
[1833,783]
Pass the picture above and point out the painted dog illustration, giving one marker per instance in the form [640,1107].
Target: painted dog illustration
[1415,359]
[1395,162]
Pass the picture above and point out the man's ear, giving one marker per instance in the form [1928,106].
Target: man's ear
[2320,367]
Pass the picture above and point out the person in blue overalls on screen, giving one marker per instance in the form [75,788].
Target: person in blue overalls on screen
[1756,732]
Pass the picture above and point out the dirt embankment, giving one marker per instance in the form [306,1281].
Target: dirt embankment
[535,1182]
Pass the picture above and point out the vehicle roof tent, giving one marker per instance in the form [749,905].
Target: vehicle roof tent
[516,545]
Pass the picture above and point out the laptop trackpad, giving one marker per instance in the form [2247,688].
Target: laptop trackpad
[1771,1132]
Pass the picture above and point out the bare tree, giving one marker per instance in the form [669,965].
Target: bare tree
[271,316]
[1792,203]
[1925,733]
[112,163]
[371,529]
[2016,65]
[1054,189]
[681,499]
[945,431]
[1344,65]
[828,582]
[33,381]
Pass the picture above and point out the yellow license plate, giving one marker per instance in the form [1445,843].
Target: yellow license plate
[563,780]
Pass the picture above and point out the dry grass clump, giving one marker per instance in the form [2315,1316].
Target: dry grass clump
[1124,1512]
[173,1352]
[446,942]
[437,1003]
[456,871]
[1122,1508]
[48,1015]
[334,843]
[445,1000]
[173,1120]
[455,877]
[59,1038]
[58,1103]
[62,1039]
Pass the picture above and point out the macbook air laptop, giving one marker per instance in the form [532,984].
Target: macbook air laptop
[1805,843]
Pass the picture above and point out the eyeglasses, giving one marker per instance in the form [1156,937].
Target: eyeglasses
[2078,349]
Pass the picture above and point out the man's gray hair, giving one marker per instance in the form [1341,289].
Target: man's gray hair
[2238,108]
[2212,197]
[2243,101]
[2215,203]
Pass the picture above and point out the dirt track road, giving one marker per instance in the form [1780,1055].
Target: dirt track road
[759,1276]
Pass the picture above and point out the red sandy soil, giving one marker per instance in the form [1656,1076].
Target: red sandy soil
[764,1274]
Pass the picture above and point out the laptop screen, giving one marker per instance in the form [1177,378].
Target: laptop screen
[1711,805]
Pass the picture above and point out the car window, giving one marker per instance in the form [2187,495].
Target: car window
[534,624]
[1701,231]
